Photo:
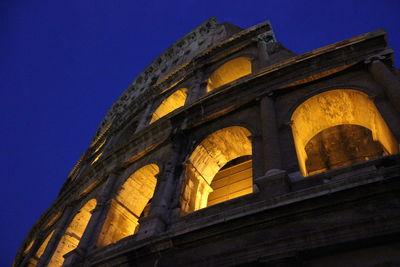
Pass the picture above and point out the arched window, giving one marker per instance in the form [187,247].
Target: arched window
[34,260]
[53,220]
[228,72]
[29,246]
[338,128]
[70,240]
[131,203]
[174,101]
[219,169]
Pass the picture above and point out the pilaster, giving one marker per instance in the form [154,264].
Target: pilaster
[159,215]
[198,88]
[262,50]
[145,118]
[95,224]
[271,149]
[58,233]
[390,83]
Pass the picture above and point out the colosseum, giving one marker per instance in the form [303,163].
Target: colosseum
[231,150]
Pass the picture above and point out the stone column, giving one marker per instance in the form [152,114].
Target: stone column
[275,181]
[95,224]
[262,51]
[271,150]
[144,119]
[159,215]
[389,81]
[258,152]
[51,247]
[26,258]
[198,89]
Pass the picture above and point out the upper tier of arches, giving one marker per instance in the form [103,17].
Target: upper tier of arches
[320,113]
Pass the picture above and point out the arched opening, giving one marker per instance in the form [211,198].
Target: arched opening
[233,180]
[339,146]
[29,246]
[70,240]
[337,128]
[96,158]
[174,101]
[34,260]
[228,72]
[219,169]
[100,145]
[53,220]
[131,203]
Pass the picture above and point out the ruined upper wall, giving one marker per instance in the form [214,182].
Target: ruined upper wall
[203,38]
[182,51]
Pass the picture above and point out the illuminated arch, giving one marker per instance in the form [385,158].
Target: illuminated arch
[34,260]
[204,164]
[172,102]
[331,114]
[29,246]
[53,220]
[70,240]
[131,203]
[43,246]
[228,72]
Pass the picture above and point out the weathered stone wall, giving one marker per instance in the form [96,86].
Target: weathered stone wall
[338,216]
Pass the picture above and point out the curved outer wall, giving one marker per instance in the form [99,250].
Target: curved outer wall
[342,215]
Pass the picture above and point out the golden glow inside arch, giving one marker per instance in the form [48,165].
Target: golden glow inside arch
[334,108]
[29,246]
[34,260]
[70,240]
[53,220]
[100,146]
[174,101]
[228,72]
[207,159]
[233,180]
[43,246]
[130,204]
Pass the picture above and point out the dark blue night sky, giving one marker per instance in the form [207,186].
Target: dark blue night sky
[63,64]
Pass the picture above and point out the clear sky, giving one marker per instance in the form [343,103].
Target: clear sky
[63,63]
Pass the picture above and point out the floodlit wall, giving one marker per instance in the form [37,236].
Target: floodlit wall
[129,204]
[228,72]
[174,101]
[207,159]
[70,240]
[333,108]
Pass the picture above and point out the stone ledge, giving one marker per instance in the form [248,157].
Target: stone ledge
[274,183]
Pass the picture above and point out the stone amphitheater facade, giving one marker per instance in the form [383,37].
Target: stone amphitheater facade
[231,150]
